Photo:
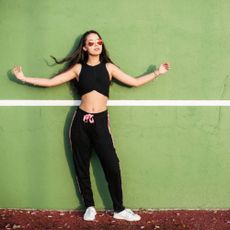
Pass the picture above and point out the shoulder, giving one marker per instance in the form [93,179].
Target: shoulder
[111,67]
[77,68]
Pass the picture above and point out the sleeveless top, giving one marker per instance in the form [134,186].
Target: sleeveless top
[94,78]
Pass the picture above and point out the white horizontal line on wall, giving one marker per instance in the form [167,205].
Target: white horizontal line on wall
[117,102]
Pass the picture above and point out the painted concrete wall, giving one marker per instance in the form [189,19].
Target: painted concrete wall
[171,157]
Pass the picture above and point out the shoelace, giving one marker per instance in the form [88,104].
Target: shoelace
[88,118]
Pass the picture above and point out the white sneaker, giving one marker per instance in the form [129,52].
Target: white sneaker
[126,214]
[90,214]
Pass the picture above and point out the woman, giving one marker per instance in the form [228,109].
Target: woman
[93,70]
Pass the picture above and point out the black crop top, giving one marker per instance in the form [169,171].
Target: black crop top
[94,78]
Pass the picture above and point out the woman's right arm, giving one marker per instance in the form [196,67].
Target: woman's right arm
[56,80]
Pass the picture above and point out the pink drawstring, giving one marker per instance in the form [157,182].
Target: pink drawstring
[88,118]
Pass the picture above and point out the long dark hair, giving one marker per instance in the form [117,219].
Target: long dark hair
[81,56]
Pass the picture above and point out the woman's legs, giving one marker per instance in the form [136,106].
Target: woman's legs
[104,147]
[84,135]
[105,150]
[81,147]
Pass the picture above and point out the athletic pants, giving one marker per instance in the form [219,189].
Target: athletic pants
[91,132]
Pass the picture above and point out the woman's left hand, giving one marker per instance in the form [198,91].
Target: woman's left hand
[164,68]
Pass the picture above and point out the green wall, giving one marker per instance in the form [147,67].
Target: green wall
[171,157]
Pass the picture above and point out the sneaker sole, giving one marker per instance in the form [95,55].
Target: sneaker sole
[89,219]
[121,218]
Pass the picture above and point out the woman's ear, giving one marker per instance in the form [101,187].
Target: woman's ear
[84,48]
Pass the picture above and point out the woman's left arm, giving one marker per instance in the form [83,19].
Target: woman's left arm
[132,81]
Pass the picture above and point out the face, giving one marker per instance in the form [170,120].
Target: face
[93,44]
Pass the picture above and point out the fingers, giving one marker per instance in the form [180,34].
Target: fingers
[167,66]
[16,69]
[164,67]
[13,70]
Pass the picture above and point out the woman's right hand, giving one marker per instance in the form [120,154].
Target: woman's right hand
[17,71]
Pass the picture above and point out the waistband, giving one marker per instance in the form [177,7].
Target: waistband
[79,110]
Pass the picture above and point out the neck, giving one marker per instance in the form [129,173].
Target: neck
[93,60]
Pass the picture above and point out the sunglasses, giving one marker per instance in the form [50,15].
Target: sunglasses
[99,42]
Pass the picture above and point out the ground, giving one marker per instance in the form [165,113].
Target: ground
[152,220]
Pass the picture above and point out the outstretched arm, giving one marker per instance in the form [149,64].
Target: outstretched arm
[131,81]
[56,80]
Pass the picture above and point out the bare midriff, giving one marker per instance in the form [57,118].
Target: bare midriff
[93,102]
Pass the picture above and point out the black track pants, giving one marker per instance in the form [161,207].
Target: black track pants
[88,132]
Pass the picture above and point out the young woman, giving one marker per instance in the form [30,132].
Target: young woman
[93,70]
